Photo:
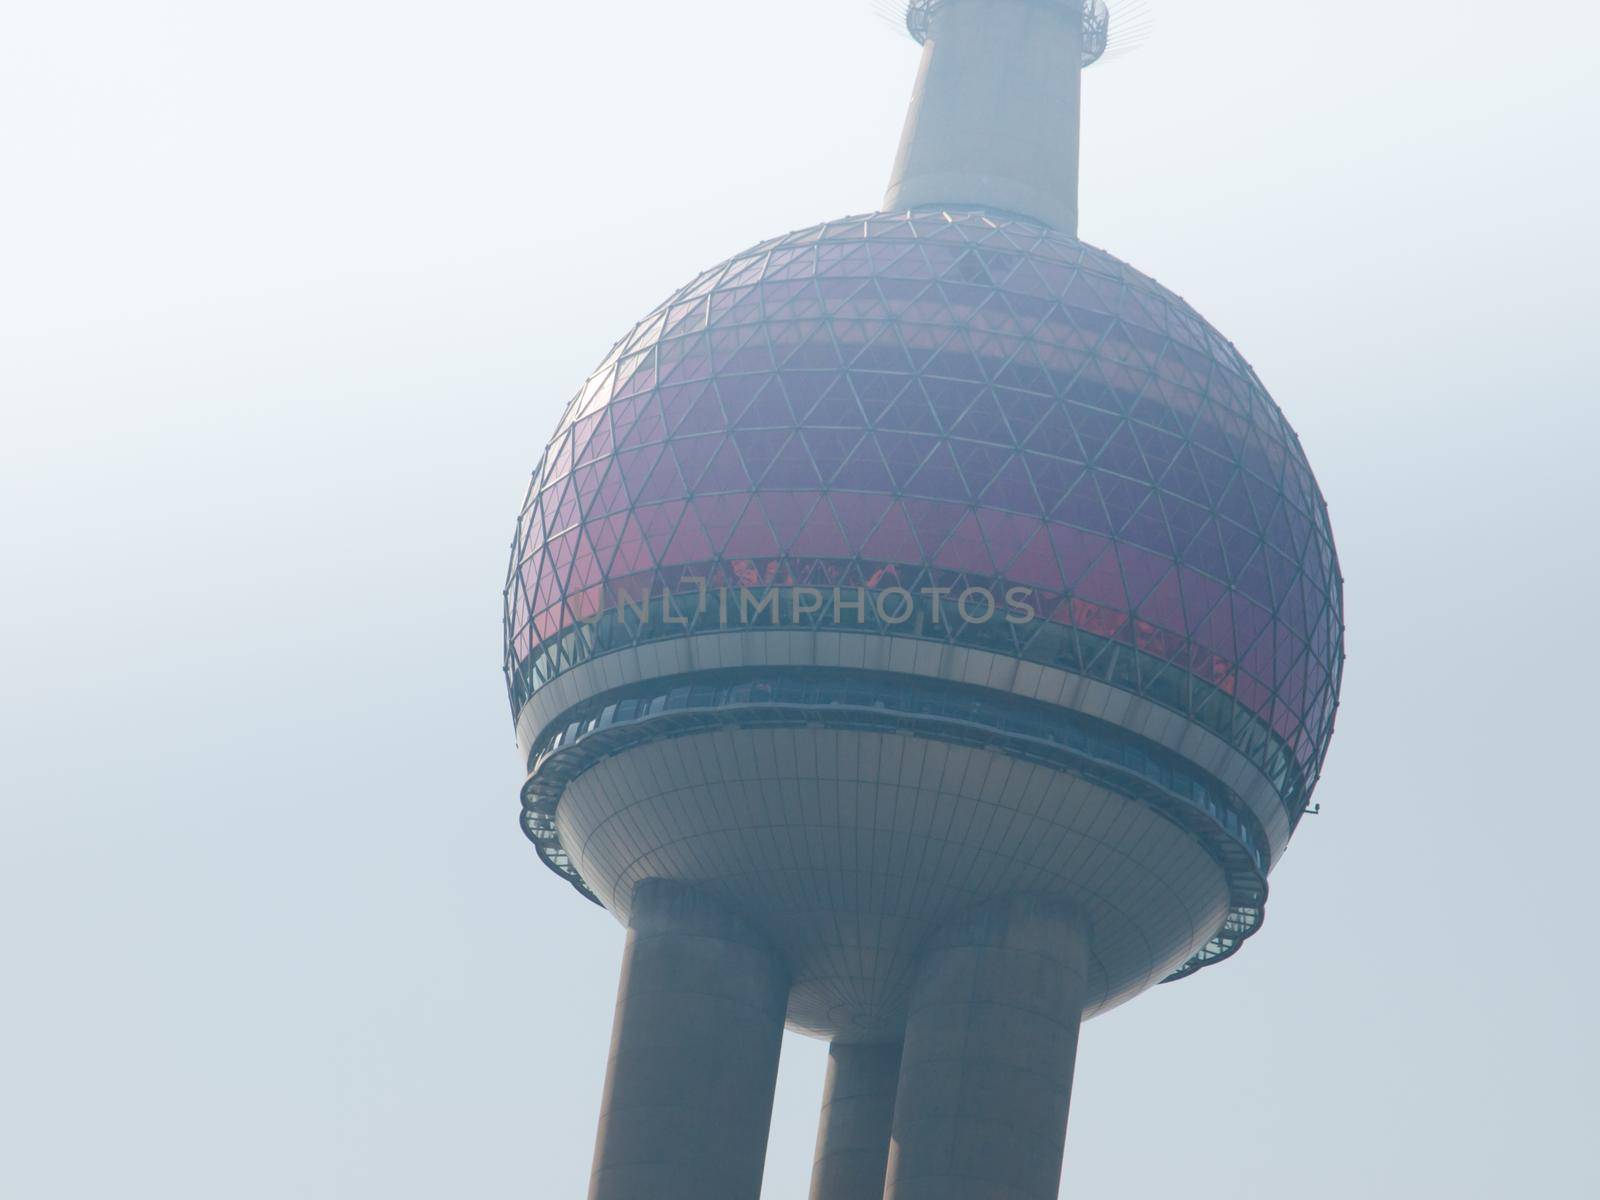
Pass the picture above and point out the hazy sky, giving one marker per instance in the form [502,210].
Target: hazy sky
[291,295]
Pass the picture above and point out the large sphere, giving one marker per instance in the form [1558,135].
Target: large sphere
[902,414]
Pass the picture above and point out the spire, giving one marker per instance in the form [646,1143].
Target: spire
[993,121]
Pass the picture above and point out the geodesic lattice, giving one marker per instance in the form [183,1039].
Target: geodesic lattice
[955,400]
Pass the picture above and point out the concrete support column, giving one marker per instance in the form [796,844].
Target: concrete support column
[857,1111]
[993,121]
[694,1054]
[981,1111]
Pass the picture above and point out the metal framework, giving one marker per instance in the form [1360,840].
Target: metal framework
[933,399]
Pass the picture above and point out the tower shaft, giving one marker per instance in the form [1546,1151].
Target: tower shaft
[694,1054]
[857,1115]
[993,121]
[991,1037]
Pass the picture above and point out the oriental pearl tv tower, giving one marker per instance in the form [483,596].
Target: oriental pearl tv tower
[923,632]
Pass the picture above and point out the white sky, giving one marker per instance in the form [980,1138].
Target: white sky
[292,293]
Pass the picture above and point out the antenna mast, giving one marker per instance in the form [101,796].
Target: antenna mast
[993,121]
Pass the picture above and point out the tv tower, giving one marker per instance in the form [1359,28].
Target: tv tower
[924,631]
